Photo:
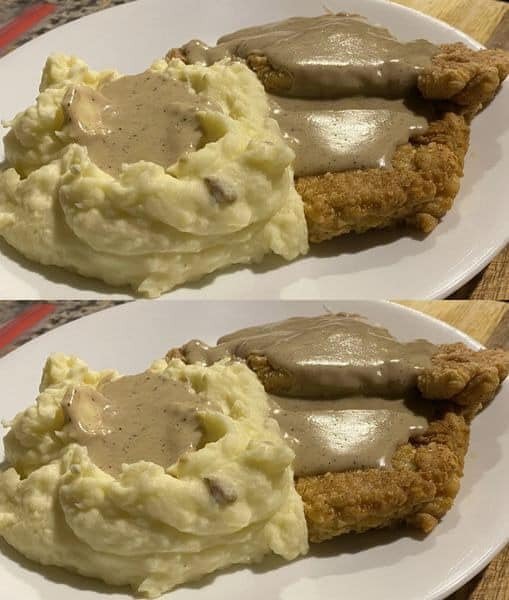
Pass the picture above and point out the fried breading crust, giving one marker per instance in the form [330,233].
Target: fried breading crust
[467,378]
[418,190]
[418,490]
[426,472]
[469,79]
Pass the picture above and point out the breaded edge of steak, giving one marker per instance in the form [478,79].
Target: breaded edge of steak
[467,378]
[417,191]
[418,490]
[426,472]
[468,79]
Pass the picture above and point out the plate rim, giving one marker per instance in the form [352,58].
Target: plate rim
[119,7]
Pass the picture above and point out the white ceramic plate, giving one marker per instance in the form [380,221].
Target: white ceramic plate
[381,564]
[375,265]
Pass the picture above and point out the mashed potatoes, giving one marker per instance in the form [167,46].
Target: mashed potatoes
[148,526]
[153,227]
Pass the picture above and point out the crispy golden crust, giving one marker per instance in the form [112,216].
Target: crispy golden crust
[464,377]
[418,190]
[274,81]
[425,476]
[468,79]
[418,490]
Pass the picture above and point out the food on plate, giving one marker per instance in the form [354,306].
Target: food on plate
[149,180]
[380,127]
[282,433]
[149,480]
[417,191]
[282,134]
[380,428]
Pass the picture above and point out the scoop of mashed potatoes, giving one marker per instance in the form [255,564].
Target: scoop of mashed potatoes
[151,527]
[150,226]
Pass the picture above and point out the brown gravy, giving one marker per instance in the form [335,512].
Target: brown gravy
[350,402]
[348,133]
[139,417]
[329,56]
[345,434]
[330,355]
[344,102]
[149,117]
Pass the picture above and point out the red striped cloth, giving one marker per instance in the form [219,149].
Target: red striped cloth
[24,321]
[18,26]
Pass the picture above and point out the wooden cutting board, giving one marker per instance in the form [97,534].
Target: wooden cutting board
[487,322]
[477,18]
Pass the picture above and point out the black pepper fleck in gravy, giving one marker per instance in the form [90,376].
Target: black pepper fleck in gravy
[139,417]
[149,117]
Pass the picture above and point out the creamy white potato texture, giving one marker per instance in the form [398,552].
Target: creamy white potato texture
[150,527]
[149,226]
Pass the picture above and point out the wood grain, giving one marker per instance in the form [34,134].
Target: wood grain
[491,284]
[487,322]
[478,319]
[477,18]
[500,36]
[500,337]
